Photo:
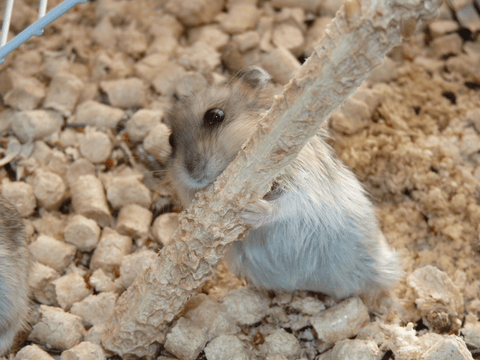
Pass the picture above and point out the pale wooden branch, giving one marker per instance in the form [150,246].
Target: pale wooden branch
[355,42]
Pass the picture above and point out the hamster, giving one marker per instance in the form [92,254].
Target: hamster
[315,230]
[14,268]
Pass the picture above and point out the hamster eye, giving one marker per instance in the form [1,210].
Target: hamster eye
[213,117]
[171,141]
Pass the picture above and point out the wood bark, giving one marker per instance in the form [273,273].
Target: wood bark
[356,41]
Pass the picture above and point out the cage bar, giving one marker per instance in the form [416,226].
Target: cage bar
[42,9]
[34,29]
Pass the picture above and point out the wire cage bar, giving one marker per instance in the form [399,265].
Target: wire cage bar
[36,28]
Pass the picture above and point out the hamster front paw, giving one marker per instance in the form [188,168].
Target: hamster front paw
[260,212]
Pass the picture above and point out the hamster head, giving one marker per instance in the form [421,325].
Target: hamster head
[209,127]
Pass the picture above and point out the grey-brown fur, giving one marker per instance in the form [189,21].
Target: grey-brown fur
[316,231]
[14,267]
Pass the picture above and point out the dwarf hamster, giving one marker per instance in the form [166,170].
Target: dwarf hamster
[315,230]
[14,267]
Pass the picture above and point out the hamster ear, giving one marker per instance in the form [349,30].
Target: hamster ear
[254,76]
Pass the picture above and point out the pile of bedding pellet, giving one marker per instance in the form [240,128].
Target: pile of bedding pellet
[84,148]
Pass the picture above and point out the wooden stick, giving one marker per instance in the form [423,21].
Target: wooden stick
[356,41]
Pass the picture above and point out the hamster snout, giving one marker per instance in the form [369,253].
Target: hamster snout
[14,267]
[201,166]
[316,230]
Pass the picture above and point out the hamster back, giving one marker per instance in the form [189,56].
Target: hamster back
[316,230]
[14,267]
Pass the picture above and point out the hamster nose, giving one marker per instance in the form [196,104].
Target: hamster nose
[196,167]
